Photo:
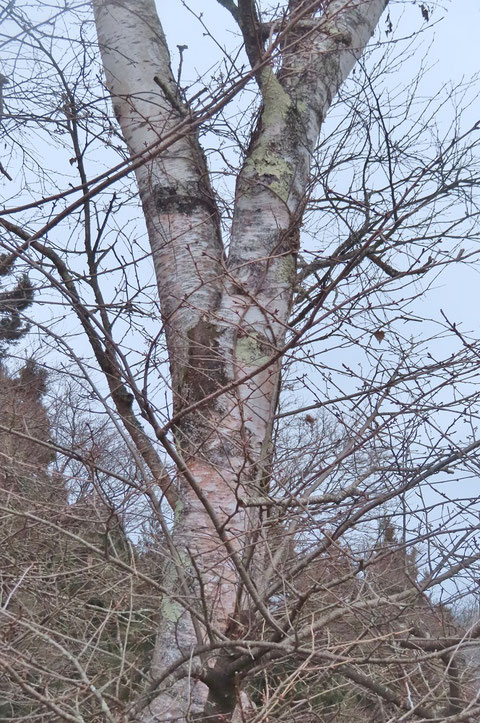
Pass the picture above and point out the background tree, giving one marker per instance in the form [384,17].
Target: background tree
[13,302]
[299,411]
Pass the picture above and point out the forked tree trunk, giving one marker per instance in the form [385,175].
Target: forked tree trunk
[225,318]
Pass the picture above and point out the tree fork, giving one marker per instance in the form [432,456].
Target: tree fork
[215,332]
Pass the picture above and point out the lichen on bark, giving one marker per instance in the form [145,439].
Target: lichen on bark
[267,161]
[286,269]
[253,350]
[276,101]
[171,610]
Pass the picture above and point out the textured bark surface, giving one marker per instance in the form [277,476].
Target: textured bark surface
[224,318]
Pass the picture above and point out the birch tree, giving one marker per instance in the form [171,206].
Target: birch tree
[281,589]
[225,314]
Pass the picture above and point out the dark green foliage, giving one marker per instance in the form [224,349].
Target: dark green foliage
[13,302]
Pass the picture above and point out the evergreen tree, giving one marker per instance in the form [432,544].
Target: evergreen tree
[14,300]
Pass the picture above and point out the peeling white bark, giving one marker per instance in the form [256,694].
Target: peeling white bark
[222,323]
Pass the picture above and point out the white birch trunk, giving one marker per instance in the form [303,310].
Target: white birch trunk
[223,319]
